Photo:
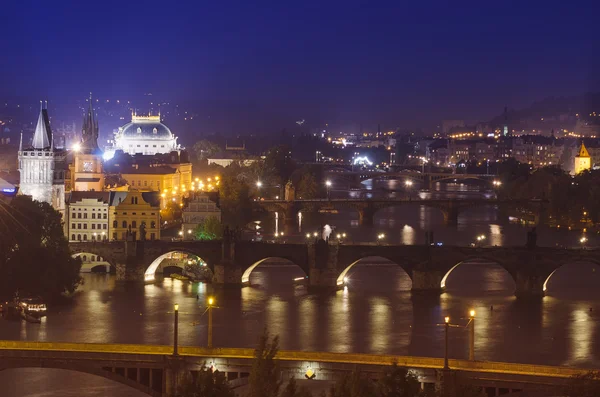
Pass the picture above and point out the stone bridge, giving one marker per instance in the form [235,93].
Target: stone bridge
[327,264]
[367,208]
[156,371]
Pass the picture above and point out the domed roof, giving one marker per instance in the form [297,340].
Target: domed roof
[146,127]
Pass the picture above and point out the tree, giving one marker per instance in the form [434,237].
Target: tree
[398,382]
[34,253]
[586,385]
[280,159]
[234,197]
[292,390]
[209,229]
[264,376]
[205,383]
[204,149]
[307,187]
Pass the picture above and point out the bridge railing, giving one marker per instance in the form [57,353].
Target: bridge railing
[325,357]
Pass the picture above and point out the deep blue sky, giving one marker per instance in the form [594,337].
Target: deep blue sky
[395,62]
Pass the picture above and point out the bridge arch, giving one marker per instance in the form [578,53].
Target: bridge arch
[575,261]
[150,272]
[343,277]
[248,271]
[123,378]
[92,262]
[475,260]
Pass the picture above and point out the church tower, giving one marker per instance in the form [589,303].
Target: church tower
[88,171]
[583,161]
[41,166]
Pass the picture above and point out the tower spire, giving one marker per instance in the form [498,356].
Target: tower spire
[21,142]
[43,134]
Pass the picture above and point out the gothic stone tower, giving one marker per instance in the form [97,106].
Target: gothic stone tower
[583,161]
[42,166]
[87,167]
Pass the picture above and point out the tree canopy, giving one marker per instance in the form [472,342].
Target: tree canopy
[264,376]
[205,383]
[209,229]
[34,253]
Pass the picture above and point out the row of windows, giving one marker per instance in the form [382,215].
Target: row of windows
[139,183]
[85,215]
[85,209]
[133,224]
[124,236]
[84,237]
[130,145]
[94,226]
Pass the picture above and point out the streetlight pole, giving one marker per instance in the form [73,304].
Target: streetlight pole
[446,327]
[175,328]
[472,336]
[210,307]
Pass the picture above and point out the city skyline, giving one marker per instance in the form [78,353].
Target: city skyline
[263,69]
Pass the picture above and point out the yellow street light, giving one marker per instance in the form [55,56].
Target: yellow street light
[211,300]
[446,319]
[472,313]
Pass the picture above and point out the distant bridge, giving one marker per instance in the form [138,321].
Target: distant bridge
[366,208]
[426,178]
[327,264]
[155,371]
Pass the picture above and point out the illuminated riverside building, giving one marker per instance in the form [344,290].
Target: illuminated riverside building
[143,135]
[583,161]
[42,166]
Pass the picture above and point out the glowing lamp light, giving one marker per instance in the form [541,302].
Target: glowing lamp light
[211,301]
[446,319]
[176,307]
[76,147]
[472,313]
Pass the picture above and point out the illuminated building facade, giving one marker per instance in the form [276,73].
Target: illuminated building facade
[42,166]
[583,161]
[143,135]
[129,210]
[86,171]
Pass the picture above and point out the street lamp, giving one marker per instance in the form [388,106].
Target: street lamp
[181,232]
[175,328]
[583,240]
[258,184]
[408,183]
[472,336]
[307,235]
[328,184]
[211,302]
[380,237]
[446,327]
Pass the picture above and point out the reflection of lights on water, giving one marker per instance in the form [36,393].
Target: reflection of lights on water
[380,315]
[495,235]
[408,235]
[582,336]
[276,223]
[300,222]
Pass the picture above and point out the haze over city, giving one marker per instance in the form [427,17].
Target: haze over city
[308,199]
[246,68]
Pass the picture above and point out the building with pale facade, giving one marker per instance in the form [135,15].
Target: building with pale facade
[42,166]
[145,135]
[128,211]
[200,206]
[583,160]
[86,217]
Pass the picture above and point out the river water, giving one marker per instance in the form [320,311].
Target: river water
[376,313]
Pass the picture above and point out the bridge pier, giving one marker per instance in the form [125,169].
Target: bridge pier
[529,285]
[130,270]
[427,281]
[451,217]
[366,216]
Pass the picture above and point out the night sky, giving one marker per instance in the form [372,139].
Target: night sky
[397,63]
